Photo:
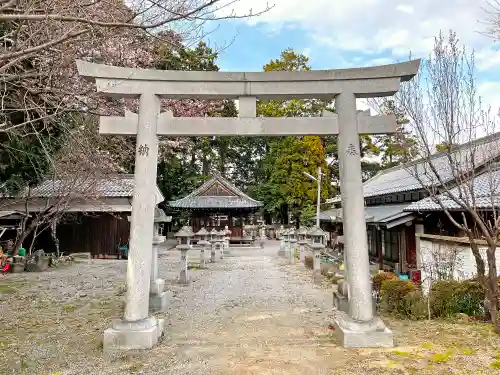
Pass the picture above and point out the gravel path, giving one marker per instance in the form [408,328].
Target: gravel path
[247,314]
[240,312]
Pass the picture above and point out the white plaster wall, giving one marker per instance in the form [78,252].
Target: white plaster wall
[464,266]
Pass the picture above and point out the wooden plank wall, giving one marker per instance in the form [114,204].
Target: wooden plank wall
[96,234]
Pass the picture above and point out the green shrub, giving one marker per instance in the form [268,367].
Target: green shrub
[449,298]
[309,262]
[380,277]
[326,268]
[414,306]
[393,293]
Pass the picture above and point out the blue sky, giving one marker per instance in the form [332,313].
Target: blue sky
[350,33]
[246,47]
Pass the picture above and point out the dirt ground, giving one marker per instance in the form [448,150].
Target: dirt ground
[246,314]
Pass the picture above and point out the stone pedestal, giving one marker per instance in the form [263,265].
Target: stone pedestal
[227,249]
[220,247]
[184,274]
[139,335]
[316,249]
[340,302]
[158,298]
[202,258]
[291,254]
[204,245]
[286,249]
[354,334]
[302,249]
[212,253]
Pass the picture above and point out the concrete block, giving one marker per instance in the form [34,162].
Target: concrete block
[353,334]
[125,336]
[317,277]
[340,302]
[159,302]
[184,277]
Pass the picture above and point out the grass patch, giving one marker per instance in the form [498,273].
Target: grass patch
[442,357]
[69,308]
[405,354]
[7,289]
[468,351]
[427,346]
[495,365]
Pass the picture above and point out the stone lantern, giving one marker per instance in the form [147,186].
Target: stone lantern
[184,239]
[317,244]
[283,243]
[158,299]
[301,235]
[202,234]
[226,237]
[212,234]
[292,239]
[219,236]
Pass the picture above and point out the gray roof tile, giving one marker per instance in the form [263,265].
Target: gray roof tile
[236,198]
[402,178]
[373,214]
[482,193]
[110,186]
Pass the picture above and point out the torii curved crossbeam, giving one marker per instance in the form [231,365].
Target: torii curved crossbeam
[367,82]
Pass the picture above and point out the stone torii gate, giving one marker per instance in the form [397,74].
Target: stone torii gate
[358,328]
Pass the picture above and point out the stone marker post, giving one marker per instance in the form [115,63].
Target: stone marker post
[219,237]
[158,298]
[281,238]
[184,247]
[292,238]
[286,244]
[226,236]
[317,245]
[301,234]
[203,234]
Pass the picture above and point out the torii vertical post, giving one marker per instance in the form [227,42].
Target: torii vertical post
[357,329]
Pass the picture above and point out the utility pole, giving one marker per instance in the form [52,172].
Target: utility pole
[318,202]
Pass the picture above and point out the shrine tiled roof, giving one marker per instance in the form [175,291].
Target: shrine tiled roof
[111,186]
[482,193]
[403,178]
[216,193]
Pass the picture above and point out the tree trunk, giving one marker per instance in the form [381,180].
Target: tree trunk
[205,166]
[53,232]
[30,250]
[24,234]
[20,239]
[492,290]
[481,269]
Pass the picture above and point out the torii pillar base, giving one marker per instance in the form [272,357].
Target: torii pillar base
[132,336]
[353,334]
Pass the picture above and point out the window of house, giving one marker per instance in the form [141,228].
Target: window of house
[391,246]
[372,241]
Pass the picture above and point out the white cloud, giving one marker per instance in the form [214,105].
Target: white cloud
[405,8]
[374,25]
[387,29]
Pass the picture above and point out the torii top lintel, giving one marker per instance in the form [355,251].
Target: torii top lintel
[366,82]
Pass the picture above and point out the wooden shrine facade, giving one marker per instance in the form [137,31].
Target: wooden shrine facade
[218,203]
